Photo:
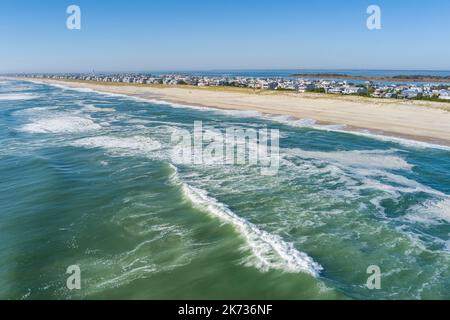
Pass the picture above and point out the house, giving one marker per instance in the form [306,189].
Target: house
[306,87]
[335,90]
[411,93]
[390,95]
[444,95]
[354,90]
[271,85]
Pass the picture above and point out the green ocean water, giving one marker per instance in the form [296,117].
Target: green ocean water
[87,179]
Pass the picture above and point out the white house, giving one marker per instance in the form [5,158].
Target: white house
[412,93]
[444,95]
[354,90]
[306,87]
[335,90]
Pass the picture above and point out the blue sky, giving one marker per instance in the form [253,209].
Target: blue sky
[154,35]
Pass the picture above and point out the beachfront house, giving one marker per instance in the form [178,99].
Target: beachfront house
[411,93]
[288,85]
[354,90]
[306,87]
[378,90]
[390,95]
[335,90]
[444,95]
[270,85]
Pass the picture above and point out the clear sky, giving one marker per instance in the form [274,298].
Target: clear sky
[150,35]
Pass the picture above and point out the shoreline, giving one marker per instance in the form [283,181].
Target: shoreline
[419,121]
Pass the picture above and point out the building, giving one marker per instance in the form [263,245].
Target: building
[444,95]
[307,87]
[335,90]
[354,90]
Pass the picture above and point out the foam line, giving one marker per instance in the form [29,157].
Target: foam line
[271,251]
[305,123]
[61,124]
[13,97]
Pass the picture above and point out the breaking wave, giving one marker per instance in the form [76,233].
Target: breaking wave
[270,251]
[309,123]
[431,212]
[92,108]
[376,159]
[137,144]
[22,96]
[61,124]
[287,120]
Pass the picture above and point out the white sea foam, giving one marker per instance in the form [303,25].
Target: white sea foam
[136,144]
[303,123]
[176,105]
[92,108]
[377,159]
[230,112]
[142,261]
[401,141]
[66,87]
[409,185]
[309,123]
[22,96]
[160,122]
[356,173]
[270,251]
[61,124]
[340,128]
[430,212]
[19,88]
[33,111]
[60,86]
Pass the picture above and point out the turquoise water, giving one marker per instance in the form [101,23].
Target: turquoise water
[87,179]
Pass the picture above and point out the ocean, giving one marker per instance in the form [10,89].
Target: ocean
[87,180]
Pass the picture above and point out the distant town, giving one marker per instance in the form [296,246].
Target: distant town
[424,91]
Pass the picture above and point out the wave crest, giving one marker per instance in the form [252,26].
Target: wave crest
[61,124]
[270,251]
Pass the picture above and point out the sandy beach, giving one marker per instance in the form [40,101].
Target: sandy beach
[416,120]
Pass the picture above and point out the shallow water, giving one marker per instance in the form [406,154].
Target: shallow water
[87,179]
